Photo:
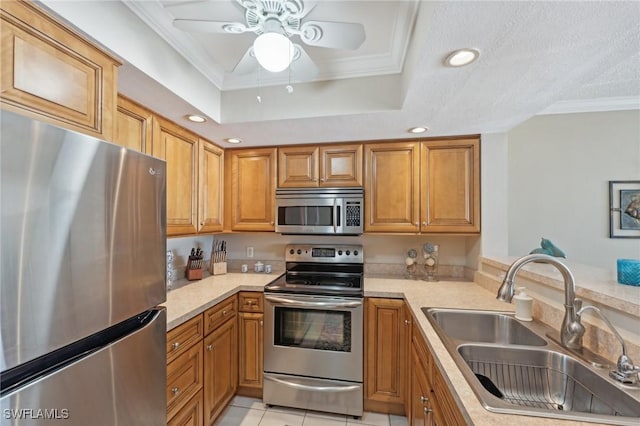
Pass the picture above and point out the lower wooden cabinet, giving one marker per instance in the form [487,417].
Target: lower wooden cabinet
[220,365]
[386,343]
[250,344]
[184,379]
[431,400]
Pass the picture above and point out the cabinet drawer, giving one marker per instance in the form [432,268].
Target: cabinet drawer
[215,316]
[184,379]
[182,337]
[191,414]
[251,301]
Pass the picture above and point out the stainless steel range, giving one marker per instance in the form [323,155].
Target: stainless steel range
[314,330]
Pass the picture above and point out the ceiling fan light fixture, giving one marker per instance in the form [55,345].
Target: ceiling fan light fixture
[274,51]
[462,57]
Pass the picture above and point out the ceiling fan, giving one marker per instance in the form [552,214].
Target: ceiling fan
[276,22]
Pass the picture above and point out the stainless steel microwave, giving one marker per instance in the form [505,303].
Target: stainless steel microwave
[332,211]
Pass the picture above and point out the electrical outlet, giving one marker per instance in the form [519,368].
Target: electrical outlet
[249,251]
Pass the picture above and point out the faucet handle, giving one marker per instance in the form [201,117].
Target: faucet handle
[577,304]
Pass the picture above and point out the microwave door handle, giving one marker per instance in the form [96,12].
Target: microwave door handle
[335,215]
[299,303]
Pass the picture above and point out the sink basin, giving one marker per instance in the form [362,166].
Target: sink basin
[545,383]
[482,326]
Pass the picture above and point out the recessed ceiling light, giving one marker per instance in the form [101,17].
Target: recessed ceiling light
[462,57]
[196,118]
[233,140]
[418,129]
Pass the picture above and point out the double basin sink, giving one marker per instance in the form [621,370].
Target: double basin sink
[513,369]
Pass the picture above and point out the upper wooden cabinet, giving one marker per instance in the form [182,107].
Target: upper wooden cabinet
[320,166]
[251,177]
[392,187]
[134,126]
[51,73]
[450,182]
[431,186]
[180,150]
[210,197]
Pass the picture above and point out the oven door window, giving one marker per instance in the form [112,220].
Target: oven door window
[328,330]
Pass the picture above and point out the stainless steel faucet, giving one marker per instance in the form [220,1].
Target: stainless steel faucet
[571,330]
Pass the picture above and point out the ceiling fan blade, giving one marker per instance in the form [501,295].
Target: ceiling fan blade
[247,64]
[340,35]
[303,67]
[198,26]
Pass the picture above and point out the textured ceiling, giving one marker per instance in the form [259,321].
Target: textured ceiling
[535,56]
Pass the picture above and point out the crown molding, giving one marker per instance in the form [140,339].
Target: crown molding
[620,103]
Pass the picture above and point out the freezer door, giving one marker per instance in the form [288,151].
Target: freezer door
[120,384]
[83,236]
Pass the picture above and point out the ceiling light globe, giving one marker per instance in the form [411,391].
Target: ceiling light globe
[273,51]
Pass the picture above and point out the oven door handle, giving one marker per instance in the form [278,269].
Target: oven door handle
[314,388]
[300,303]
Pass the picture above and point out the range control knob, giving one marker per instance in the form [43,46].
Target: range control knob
[291,251]
[339,252]
[348,252]
[355,252]
[299,251]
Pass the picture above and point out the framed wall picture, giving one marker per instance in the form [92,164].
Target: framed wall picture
[624,206]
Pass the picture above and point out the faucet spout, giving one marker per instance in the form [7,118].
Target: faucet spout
[572,330]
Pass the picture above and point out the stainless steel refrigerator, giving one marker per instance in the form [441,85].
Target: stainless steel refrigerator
[83,272]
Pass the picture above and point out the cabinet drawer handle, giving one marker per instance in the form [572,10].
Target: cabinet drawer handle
[424,399]
[209,347]
[175,346]
[175,391]
[427,410]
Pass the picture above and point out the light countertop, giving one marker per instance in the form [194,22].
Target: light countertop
[190,300]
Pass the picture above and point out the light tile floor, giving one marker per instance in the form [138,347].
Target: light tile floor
[245,411]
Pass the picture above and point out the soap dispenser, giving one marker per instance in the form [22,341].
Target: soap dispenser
[523,305]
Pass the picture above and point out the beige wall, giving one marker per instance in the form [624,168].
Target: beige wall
[559,167]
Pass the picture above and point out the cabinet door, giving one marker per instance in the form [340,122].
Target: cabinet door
[386,346]
[250,360]
[392,181]
[253,189]
[298,167]
[450,181]
[134,126]
[180,150]
[421,412]
[220,369]
[341,165]
[51,73]
[210,198]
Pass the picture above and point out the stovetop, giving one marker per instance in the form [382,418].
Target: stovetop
[321,270]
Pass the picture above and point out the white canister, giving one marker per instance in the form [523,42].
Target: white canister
[258,267]
[523,305]
[245,268]
[267,269]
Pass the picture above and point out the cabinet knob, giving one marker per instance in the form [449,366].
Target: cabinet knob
[175,391]
[249,302]
[417,223]
[424,223]
[261,323]
[201,223]
[224,313]
[315,179]
[209,347]
[321,179]
[271,223]
[175,346]
[424,399]
[427,410]
[407,322]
